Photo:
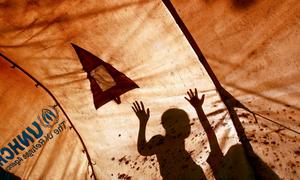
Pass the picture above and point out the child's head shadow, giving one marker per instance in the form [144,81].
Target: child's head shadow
[176,122]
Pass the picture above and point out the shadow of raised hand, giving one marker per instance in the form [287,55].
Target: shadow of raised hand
[140,112]
[194,99]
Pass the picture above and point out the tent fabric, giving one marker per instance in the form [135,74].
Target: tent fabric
[34,133]
[251,46]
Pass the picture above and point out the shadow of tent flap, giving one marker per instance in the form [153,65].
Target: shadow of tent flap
[7,176]
[235,165]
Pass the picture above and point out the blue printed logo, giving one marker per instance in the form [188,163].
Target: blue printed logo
[48,117]
[30,140]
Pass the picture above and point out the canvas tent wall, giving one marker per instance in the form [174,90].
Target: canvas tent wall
[252,48]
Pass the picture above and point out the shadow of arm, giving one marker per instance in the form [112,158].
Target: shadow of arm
[151,147]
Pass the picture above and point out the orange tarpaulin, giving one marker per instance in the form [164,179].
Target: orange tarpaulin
[252,48]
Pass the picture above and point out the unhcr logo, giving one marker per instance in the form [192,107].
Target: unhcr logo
[32,138]
[48,117]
